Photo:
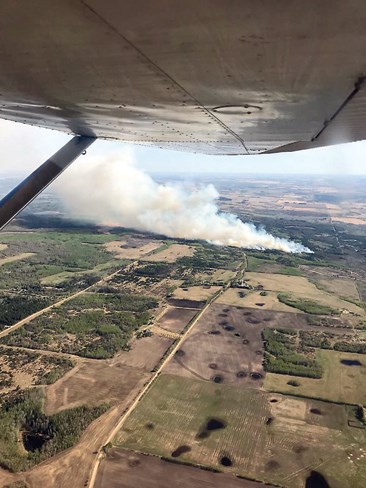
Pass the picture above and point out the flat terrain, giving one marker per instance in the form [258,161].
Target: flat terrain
[171,253]
[176,319]
[139,470]
[18,257]
[20,369]
[90,383]
[341,287]
[350,220]
[205,407]
[217,275]
[340,383]
[95,382]
[122,250]
[225,346]
[253,299]
[196,293]
[260,435]
[301,287]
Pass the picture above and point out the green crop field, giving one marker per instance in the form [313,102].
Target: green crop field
[270,438]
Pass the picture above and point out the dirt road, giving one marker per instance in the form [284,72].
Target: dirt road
[128,412]
[57,304]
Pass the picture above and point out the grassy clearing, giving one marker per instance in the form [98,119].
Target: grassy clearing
[121,250]
[175,412]
[169,254]
[195,292]
[49,253]
[340,383]
[99,270]
[307,306]
[246,298]
[341,287]
[268,266]
[299,289]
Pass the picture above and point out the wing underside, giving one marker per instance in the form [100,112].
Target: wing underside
[210,76]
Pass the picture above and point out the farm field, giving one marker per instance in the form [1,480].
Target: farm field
[196,293]
[301,287]
[225,347]
[343,288]
[176,319]
[150,472]
[223,275]
[90,383]
[206,407]
[244,431]
[171,253]
[251,299]
[341,382]
[132,249]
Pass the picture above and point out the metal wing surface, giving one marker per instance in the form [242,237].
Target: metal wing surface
[210,76]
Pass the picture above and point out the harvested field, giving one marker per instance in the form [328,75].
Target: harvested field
[93,383]
[340,287]
[174,302]
[217,275]
[196,293]
[340,383]
[233,296]
[126,250]
[175,319]
[151,472]
[349,220]
[144,353]
[18,257]
[171,253]
[266,437]
[225,346]
[301,287]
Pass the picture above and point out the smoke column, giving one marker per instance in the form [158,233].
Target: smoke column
[113,191]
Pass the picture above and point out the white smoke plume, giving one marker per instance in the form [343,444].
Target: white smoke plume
[113,191]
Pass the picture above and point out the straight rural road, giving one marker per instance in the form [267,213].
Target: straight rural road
[56,304]
[128,412]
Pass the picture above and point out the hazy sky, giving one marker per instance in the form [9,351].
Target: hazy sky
[23,148]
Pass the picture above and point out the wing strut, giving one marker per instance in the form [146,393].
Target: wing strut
[36,182]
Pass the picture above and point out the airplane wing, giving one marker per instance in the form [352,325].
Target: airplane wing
[210,76]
